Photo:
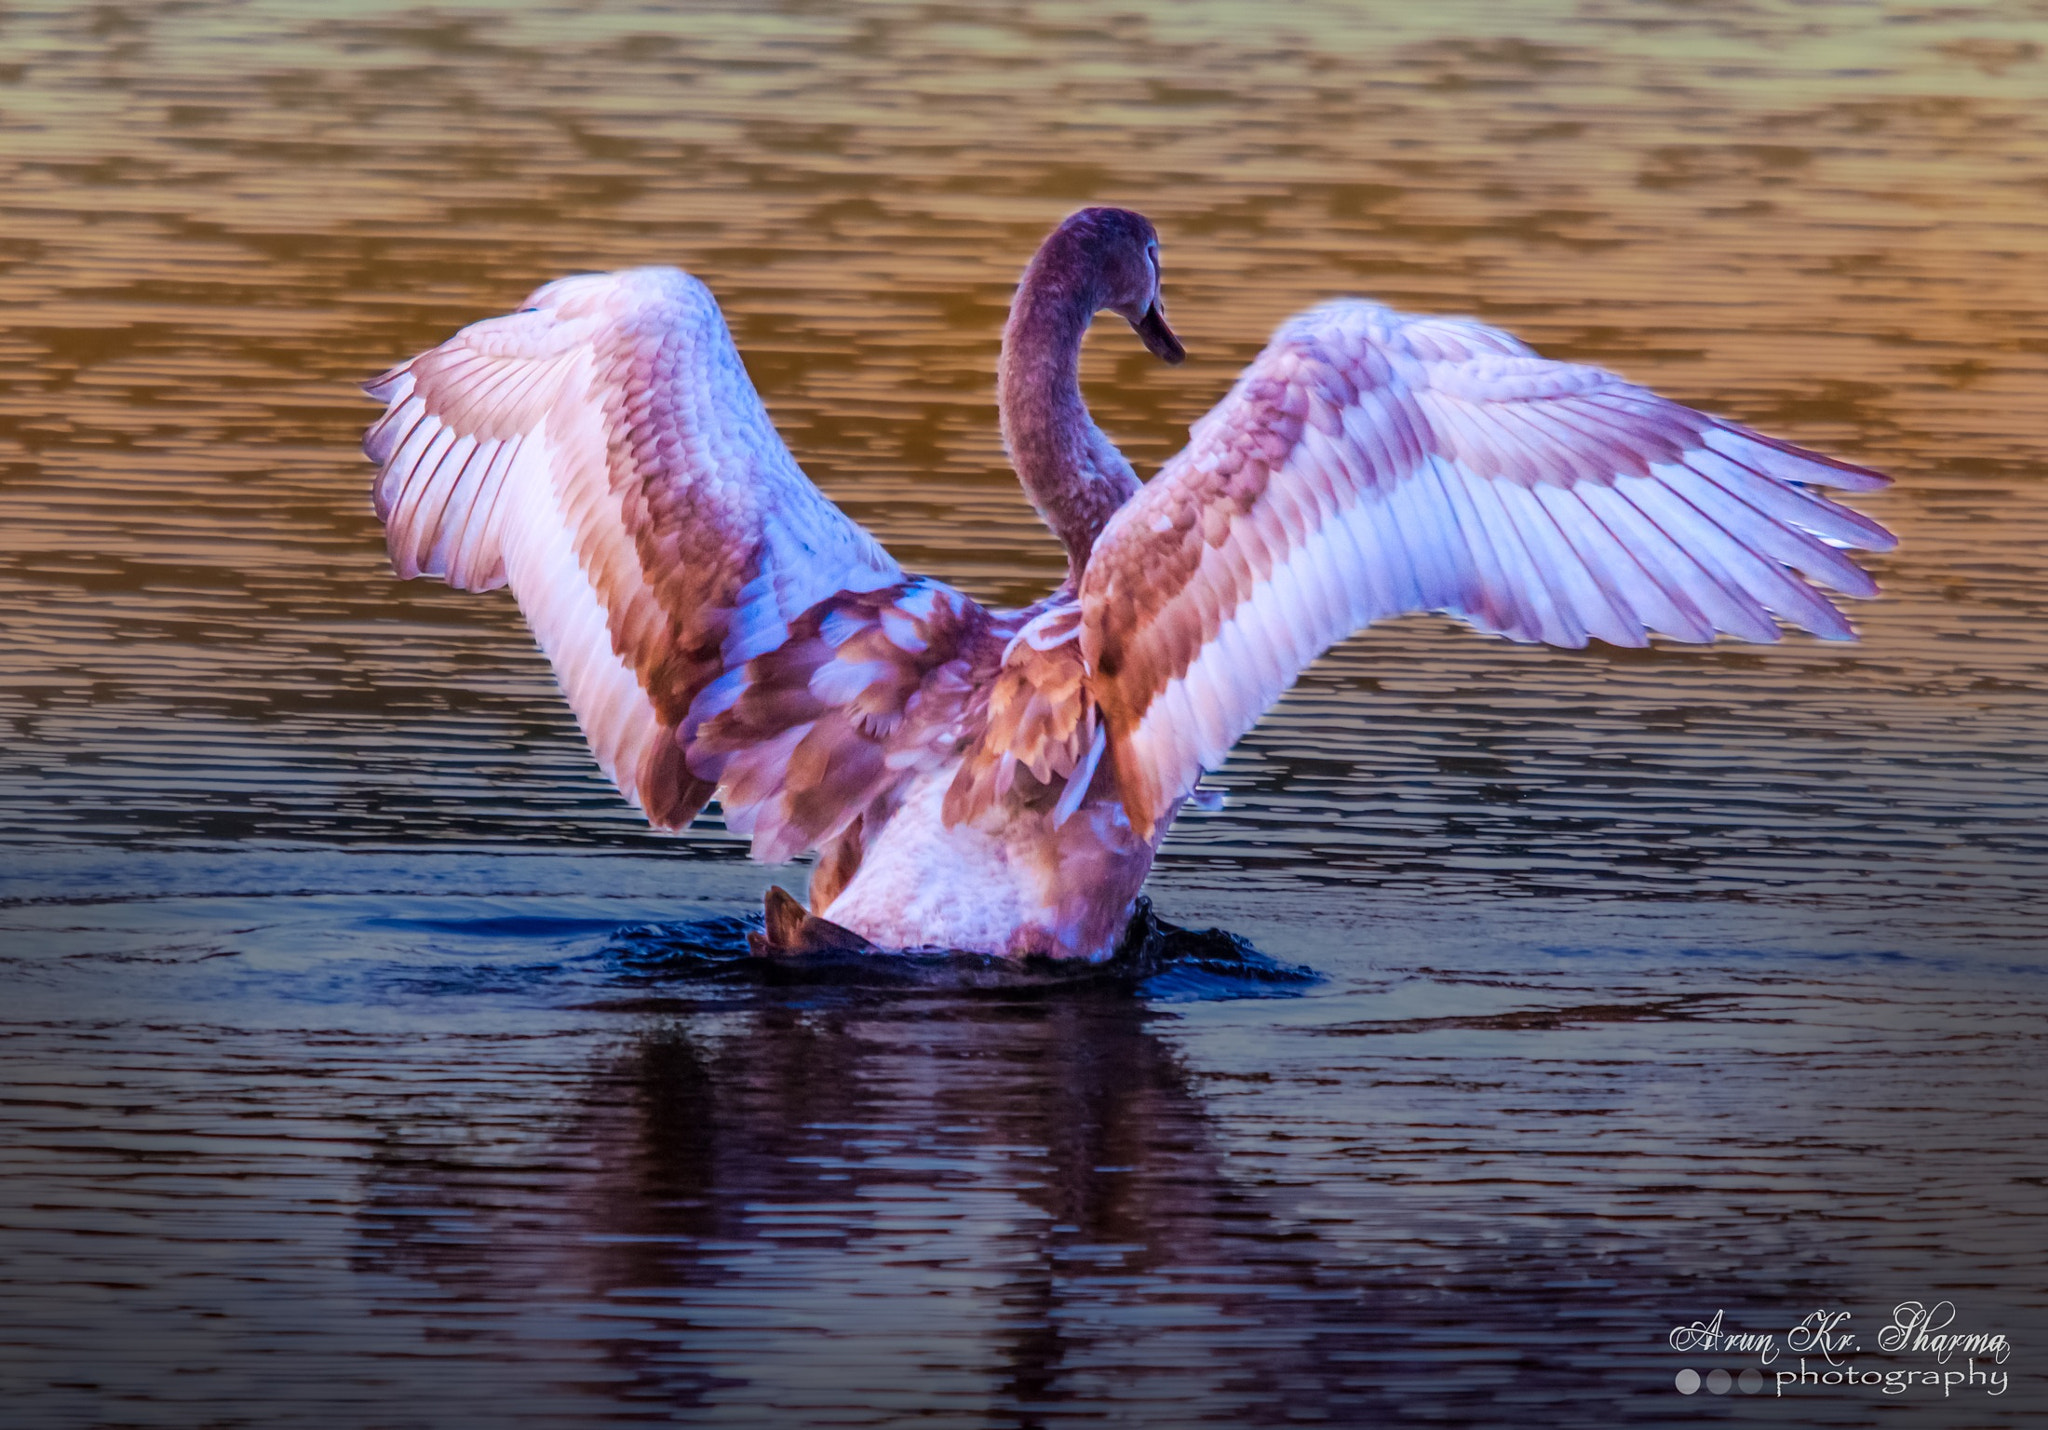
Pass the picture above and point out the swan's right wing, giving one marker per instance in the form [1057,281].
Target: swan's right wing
[1369,464]
[604,454]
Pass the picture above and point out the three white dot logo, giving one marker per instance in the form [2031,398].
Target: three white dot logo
[1718,1381]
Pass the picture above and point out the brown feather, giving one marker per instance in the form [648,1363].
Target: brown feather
[837,863]
[870,712]
[1040,719]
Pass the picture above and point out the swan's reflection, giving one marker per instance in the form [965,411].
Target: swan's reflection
[824,1206]
[988,1207]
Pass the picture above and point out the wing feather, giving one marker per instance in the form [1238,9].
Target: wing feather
[868,689]
[603,453]
[1489,603]
[1680,570]
[1369,464]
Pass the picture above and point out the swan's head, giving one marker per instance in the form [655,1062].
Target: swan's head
[1120,250]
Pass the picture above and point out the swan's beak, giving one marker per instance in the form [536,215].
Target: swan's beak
[1157,337]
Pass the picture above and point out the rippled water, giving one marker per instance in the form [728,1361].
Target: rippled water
[1654,982]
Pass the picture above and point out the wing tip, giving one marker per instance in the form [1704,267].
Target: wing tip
[380,495]
[401,567]
[1833,472]
[386,383]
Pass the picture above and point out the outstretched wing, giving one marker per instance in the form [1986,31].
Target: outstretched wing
[1369,464]
[603,453]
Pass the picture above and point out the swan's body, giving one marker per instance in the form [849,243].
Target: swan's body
[999,781]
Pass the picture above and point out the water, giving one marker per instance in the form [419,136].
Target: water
[1653,982]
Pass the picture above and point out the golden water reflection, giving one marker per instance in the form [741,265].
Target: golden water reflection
[1824,220]
[322,1104]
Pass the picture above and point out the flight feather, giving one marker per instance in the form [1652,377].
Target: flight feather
[1369,464]
[603,453]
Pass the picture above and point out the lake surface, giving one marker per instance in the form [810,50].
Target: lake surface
[336,1085]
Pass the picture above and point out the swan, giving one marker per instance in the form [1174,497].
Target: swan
[998,781]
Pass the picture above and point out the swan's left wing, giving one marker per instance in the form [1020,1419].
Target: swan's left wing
[603,453]
[1369,464]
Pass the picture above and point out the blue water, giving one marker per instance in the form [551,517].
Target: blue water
[439,1140]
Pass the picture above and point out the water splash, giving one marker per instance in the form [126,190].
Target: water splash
[1156,960]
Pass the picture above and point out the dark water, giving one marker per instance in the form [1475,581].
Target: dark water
[340,1086]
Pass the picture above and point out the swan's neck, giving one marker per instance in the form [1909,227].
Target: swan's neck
[1073,474]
